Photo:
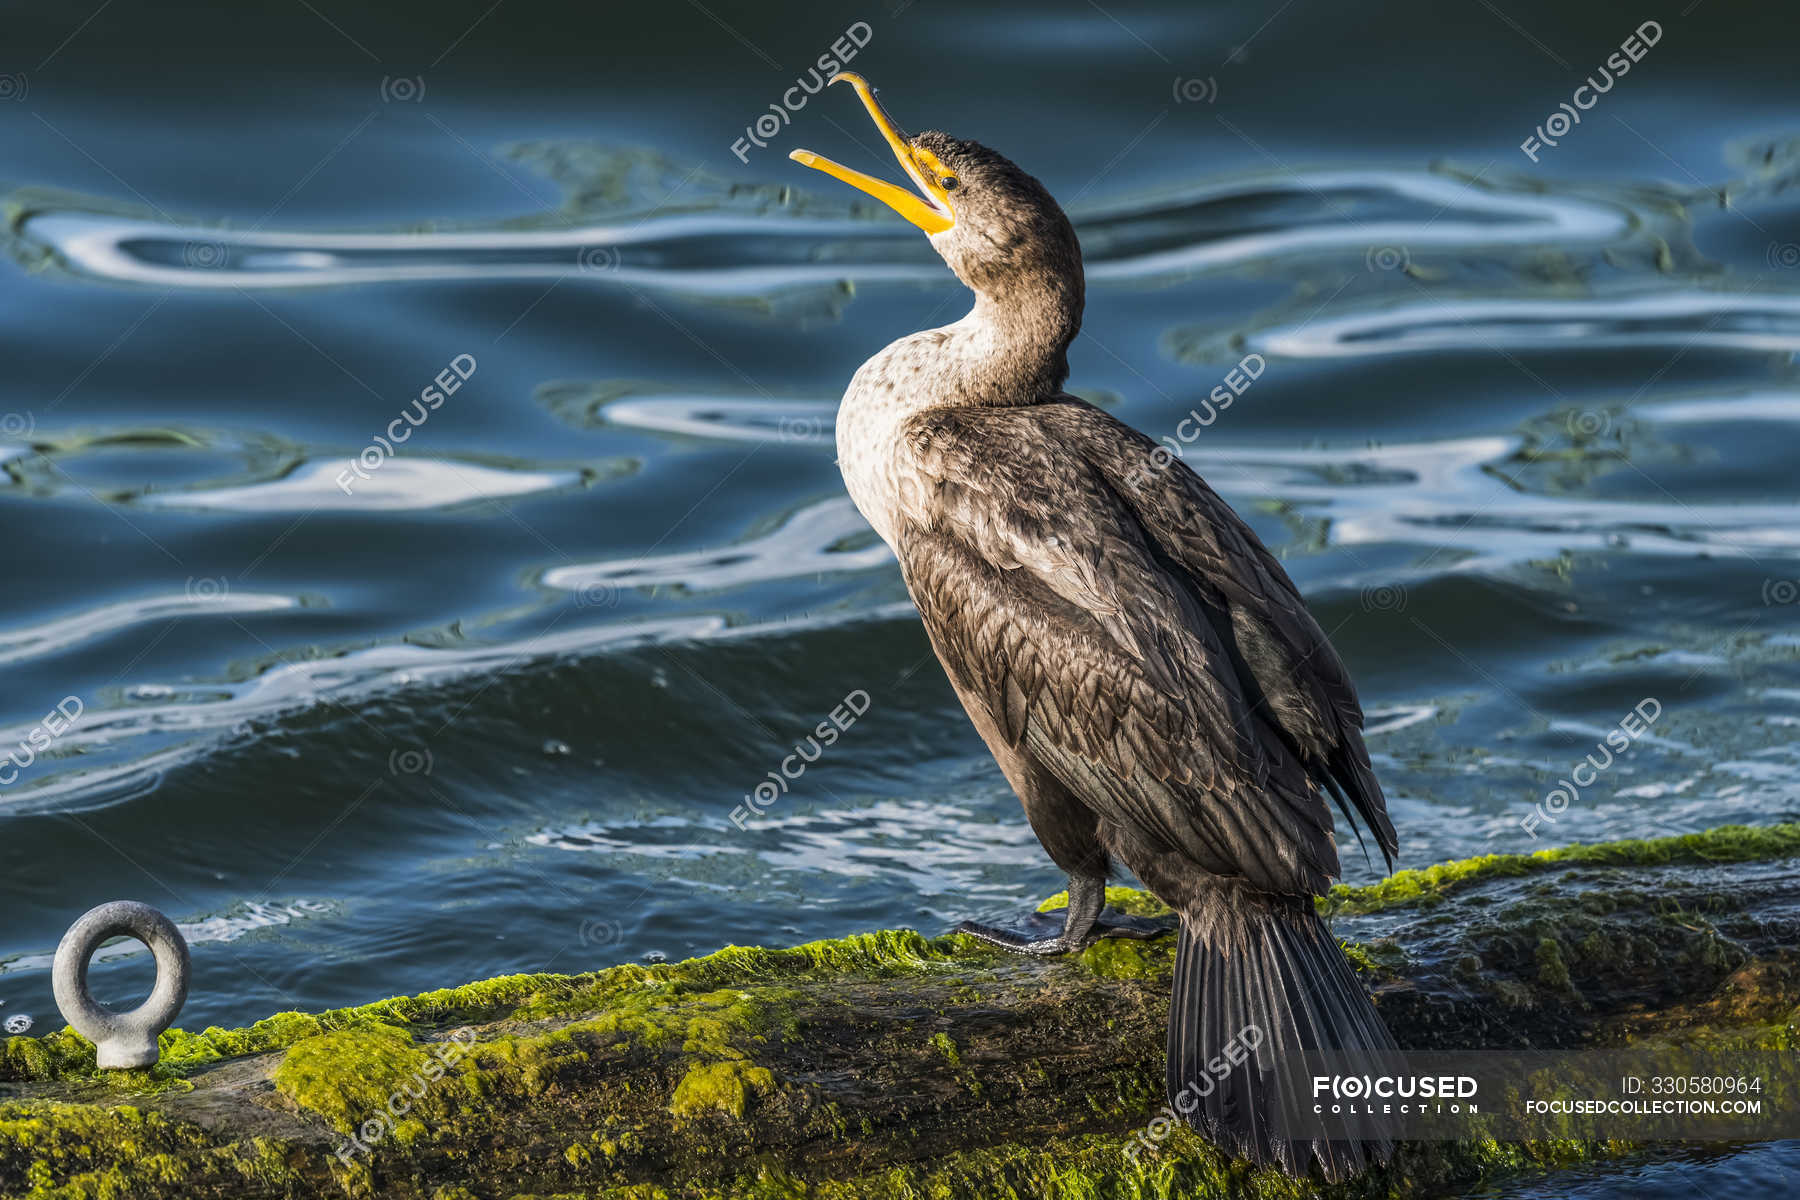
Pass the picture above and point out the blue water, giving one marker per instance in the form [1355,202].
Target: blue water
[1526,439]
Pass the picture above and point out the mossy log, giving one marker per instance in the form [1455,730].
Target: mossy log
[895,1065]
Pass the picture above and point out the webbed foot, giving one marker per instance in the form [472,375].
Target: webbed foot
[1063,931]
[1046,932]
[1028,933]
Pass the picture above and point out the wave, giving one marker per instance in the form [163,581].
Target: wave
[818,538]
[397,484]
[733,255]
[94,624]
[245,919]
[1764,321]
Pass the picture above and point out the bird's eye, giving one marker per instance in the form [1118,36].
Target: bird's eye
[948,183]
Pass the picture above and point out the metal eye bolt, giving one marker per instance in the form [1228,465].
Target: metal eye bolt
[127,1039]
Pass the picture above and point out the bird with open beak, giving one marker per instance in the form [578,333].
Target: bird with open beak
[1146,675]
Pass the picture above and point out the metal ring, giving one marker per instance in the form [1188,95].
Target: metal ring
[126,1039]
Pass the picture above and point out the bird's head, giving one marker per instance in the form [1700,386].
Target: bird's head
[997,227]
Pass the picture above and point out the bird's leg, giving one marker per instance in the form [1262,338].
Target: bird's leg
[1084,922]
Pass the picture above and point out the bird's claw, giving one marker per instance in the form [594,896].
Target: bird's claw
[1008,939]
[1031,933]
[1041,933]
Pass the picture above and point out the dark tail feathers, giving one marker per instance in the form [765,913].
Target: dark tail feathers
[1257,982]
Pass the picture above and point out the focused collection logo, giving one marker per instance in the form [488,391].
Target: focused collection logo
[1377,1094]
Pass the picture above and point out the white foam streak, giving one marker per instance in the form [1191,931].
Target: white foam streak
[397,484]
[802,545]
[50,637]
[1766,321]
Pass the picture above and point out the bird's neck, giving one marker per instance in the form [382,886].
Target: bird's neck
[1013,346]
[1010,350]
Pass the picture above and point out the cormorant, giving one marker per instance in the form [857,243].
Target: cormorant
[1145,673]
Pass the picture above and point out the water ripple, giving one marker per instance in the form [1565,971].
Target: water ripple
[931,848]
[398,484]
[726,419]
[244,919]
[206,715]
[828,536]
[1200,228]
[1764,321]
[50,637]
[1451,495]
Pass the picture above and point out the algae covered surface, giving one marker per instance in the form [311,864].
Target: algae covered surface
[891,1064]
[1726,844]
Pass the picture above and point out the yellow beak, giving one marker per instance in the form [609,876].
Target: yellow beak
[933,213]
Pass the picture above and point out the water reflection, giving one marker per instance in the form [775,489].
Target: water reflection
[725,254]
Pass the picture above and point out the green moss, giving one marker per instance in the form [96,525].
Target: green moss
[882,954]
[1552,971]
[1386,955]
[1728,843]
[1117,1167]
[348,1076]
[614,1041]
[1129,958]
[1359,957]
[1126,900]
[885,953]
[52,1056]
[82,1152]
[180,1048]
[720,1087]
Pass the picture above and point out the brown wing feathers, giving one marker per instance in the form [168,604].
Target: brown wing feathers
[1107,631]
[1298,673]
